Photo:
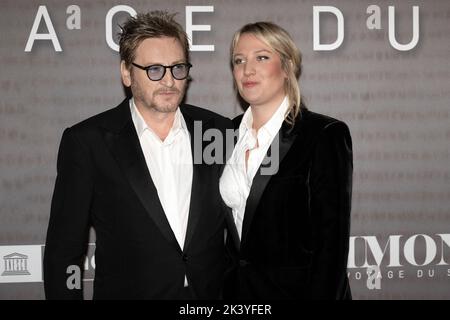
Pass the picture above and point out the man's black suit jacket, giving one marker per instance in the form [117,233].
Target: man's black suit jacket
[103,182]
[295,233]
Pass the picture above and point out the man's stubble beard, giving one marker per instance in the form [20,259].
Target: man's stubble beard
[152,104]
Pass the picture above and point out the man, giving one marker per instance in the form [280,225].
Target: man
[130,174]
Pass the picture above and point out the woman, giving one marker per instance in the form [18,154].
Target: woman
[289,228]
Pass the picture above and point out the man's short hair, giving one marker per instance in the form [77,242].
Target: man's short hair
[154,24]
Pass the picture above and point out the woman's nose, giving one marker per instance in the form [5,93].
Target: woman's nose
[249,68]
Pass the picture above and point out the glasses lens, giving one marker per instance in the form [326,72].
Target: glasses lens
[155,72]
[180,71]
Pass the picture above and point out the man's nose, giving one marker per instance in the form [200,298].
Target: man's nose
[168,80]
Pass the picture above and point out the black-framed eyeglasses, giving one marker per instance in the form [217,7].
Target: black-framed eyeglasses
[156,72]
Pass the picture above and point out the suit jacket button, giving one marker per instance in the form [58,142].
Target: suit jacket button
[243,263]
[185,257]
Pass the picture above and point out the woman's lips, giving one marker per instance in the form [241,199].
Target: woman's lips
[249,84]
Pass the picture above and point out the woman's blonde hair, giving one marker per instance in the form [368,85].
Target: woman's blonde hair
[281,42]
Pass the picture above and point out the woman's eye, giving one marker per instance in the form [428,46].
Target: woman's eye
[262,58]
[238,61]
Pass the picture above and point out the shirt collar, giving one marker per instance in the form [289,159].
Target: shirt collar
[270,129]
[178,124]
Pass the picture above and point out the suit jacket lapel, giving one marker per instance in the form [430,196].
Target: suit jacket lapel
[231,226]
[260,180]
[123,143]
[200,179]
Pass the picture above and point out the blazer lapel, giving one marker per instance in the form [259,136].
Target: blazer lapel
[200,179]
[123,142]
[231,226]
[260,180]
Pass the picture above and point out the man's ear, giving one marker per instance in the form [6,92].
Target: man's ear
[125,74]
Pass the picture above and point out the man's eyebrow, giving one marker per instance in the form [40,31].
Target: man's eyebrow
[173,63]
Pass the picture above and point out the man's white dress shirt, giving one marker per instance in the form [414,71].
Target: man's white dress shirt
[170,165]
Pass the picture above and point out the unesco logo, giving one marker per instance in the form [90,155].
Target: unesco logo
[16,264]
[21,263]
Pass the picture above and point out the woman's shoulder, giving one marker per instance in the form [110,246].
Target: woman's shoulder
[317,122]
[316,119]
[314,127]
